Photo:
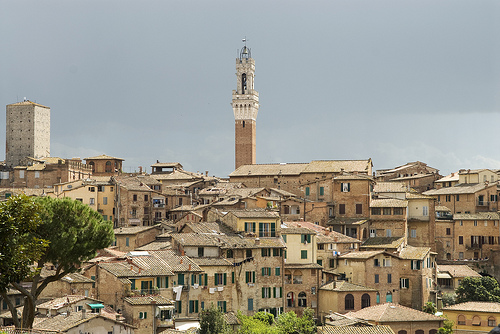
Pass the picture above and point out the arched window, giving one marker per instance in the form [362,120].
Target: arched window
[349,302]
[492,322]
[289,299]
[419,331]
[365,234]
[402,332]
[448,256]
[388,297]
[433,331]
[365,300]
[461,320]
[378,298]
[302,299]
[476,321]
[108,166]
[243,83]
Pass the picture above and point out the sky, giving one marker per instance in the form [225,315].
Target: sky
[395,81]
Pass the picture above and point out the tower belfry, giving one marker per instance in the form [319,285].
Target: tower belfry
[245,107]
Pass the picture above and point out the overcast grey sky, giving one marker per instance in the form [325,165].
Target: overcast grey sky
[395,81]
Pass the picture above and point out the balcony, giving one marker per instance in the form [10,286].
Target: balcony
[473,246]
[158,205]
[482,203]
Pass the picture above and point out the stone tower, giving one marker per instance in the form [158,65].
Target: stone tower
[245,107]
[28,132]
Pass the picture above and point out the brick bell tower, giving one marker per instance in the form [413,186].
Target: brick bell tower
[245,107]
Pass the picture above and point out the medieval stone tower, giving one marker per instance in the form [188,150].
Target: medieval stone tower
[28,132]
[245,107]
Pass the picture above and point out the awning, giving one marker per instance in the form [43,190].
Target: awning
[166,307]
[443,275]
[94,306]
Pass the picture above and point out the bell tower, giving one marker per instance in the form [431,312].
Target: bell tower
[245,107]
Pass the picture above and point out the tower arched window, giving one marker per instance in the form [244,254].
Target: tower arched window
[108,166]
[349,302]
[302,299]
[243,83]
[388,297]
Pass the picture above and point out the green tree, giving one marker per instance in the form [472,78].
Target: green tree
[447,327]
[483,288]
[212,321]
[449,299]
[260,323]
[429,307]
[290,323]
[19,245]
[75,232]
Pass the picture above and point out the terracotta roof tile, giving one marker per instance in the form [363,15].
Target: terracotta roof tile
[390,312]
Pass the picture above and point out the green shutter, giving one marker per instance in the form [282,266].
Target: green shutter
[261,229]
[216,279]
[253,276]
[307,191]
[225,278]
[180,279]
[196,306]
[281,291]
[273,229]
[192,279]
[199,278]
[262,252]
[308,238]
[166,282]
[206,279]
[277,271]
[263,271]
[158,282]
[302,238]
[191,306]
[145,315]
[253,227]
[132,285]
[274,292]
[232,277]
[247,276]
[284,237]
[321,191]
[263,292]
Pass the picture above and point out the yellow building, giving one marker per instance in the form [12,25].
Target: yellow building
[479,317]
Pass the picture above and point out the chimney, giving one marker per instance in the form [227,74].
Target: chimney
[257,241]
[181,258]
[206,173]
[84,313]
[190,267]
[140,169]
[68,312]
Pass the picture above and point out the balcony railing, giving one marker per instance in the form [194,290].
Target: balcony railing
[158,205]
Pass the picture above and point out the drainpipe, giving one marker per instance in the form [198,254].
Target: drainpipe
[153,305]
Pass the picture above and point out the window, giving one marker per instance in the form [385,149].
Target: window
[341,209]
[378,298]
[201,251]
[457,198]
[222,306]
[389,278]
[266,292]
[492,322]
[359,209]
[460,240]
[332,263]
[386,262]
[415,264]
[448,231]
[398,211]
[376,278]
[321,246]
[461,319]
[413,233]
[267,229]
[388,233]
[250,304]
[404,283]
[250,227]
[277,271]
[104,200]
[303,254]
[475,222]
[193,306]
[302,301]
[345,187]
[387,211]
[320,262]
[388,297]
[249,276]
[21,174]
[476,321]
[448,198]
[229,254]
[321,191]
[248,253]
[146,197]
[376,262]
[127,241]
[307,191]
[266,271]
[461,255]
[92,189]
[37,174]
[305,238]
[349,302]
[365,300]
[178,307]
[220,278]
[265,252]
[373,233]
[134,197]
[143,315]
[376,211]
[92,201]
[289,299]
